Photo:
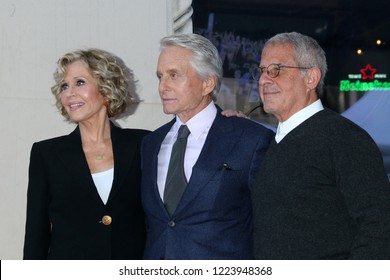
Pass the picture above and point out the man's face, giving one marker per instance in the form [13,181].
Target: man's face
[287,93]
[182,91]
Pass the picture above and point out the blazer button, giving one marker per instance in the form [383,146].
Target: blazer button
[106,220]
[171,223]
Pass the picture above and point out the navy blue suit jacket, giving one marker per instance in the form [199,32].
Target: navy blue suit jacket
[214,217]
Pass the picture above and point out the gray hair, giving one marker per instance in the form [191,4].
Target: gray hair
[307,52]
[205,57]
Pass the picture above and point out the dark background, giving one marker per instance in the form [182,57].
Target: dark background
[340,26]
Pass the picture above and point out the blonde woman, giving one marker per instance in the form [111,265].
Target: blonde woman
[83,198]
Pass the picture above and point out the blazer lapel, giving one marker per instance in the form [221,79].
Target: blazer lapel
[150,157]
[124,152]
[71,153]
[211,158]
[122,159]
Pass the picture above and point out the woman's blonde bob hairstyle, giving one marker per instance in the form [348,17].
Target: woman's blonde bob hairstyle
[114,80]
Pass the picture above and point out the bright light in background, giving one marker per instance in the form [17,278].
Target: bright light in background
[359,51]
[379,42]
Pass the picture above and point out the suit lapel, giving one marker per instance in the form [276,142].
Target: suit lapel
[152,158]
[71,153]
[123,151]
[212,156]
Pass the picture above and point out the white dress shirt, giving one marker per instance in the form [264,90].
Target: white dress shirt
[199,127]
[299,117]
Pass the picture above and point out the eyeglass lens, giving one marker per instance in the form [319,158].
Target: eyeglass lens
[272,71]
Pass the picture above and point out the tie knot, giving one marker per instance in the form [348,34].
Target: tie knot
[183,132]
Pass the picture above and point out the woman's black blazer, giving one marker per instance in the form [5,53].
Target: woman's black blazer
[66,219]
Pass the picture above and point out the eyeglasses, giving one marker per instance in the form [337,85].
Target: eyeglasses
[273,70]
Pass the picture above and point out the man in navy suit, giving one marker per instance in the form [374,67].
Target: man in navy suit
[213,218]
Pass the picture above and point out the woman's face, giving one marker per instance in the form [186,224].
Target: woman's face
[80,95]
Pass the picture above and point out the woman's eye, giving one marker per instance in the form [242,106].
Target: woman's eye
[80,83]
[64,87]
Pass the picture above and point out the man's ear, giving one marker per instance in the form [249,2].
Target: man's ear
[209,84]
[313,77]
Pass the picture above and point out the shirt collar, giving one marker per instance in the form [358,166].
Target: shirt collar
[200,122]
[299,117]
